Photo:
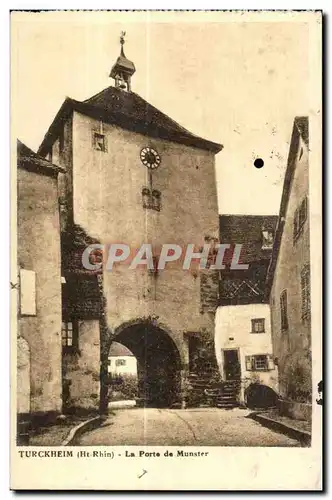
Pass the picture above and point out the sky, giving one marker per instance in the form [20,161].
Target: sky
[232,80]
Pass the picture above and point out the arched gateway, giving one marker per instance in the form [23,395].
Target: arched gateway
[158,363]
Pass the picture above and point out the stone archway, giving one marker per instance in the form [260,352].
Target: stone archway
[158,363]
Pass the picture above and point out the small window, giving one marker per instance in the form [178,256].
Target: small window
[267,242]
[260,363]
[156,200]
[69,334]
[283,311]
[152,201]
[120,362]
[99,141]
[300,216]
[305,292]
[146,198]
[258,325]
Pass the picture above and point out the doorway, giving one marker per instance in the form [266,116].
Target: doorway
[232,367]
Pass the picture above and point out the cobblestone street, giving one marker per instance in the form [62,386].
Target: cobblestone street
[191,427]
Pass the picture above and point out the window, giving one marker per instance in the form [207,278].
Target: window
[152,201]
[283,310]
[259,362]
[69,334]
[146,198]
[300,216]
[99,141]
[120,362]
[156,200]
[305,292]
[258,325]
[267,242]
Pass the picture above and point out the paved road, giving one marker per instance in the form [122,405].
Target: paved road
[204,427]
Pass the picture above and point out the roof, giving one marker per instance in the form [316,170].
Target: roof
[29,160]
[118,349]
[129,111]
[300,129]
[247,230]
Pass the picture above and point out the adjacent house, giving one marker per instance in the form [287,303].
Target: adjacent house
[243,328]
[121,361]
[39,350]
[288,280]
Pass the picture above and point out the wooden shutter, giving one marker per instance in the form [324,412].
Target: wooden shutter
[295,224]
[283,310]
[249,363]
[270,362]
[305,291]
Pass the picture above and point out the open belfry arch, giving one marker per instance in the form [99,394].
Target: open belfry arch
[133,175]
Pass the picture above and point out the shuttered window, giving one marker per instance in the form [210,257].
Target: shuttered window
[259,362]
[283,310]
[305,292]
[300,216]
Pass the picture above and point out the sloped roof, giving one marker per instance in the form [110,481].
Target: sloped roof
[129,111]
[118,349]
[29,160]
[300,129]
[247,230]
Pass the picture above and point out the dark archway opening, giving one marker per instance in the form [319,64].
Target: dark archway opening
[158,364]
[260,396]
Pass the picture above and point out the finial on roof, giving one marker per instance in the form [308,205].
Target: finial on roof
[122,41]
[123,69]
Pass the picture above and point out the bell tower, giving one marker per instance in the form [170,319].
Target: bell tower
[123,69]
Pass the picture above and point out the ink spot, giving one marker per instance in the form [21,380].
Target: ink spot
[259,163]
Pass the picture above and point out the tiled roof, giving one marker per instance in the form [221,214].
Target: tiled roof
[129,111]
[118,349]
[247,230]
[29,160]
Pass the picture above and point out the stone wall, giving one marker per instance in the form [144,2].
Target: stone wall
[39,251]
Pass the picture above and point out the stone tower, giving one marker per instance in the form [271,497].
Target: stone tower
[133,176]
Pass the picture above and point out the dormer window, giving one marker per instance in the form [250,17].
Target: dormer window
[267,239]
[99,142]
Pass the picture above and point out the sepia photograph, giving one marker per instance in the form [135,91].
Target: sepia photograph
[166,196]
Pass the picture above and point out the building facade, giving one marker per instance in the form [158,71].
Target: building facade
[121,361]
[39,350]
[132,176]
[243,330]
[289,274]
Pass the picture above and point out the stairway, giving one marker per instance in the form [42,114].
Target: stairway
[228,396]
[202,393]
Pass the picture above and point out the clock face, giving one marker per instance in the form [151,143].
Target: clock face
[150,158]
